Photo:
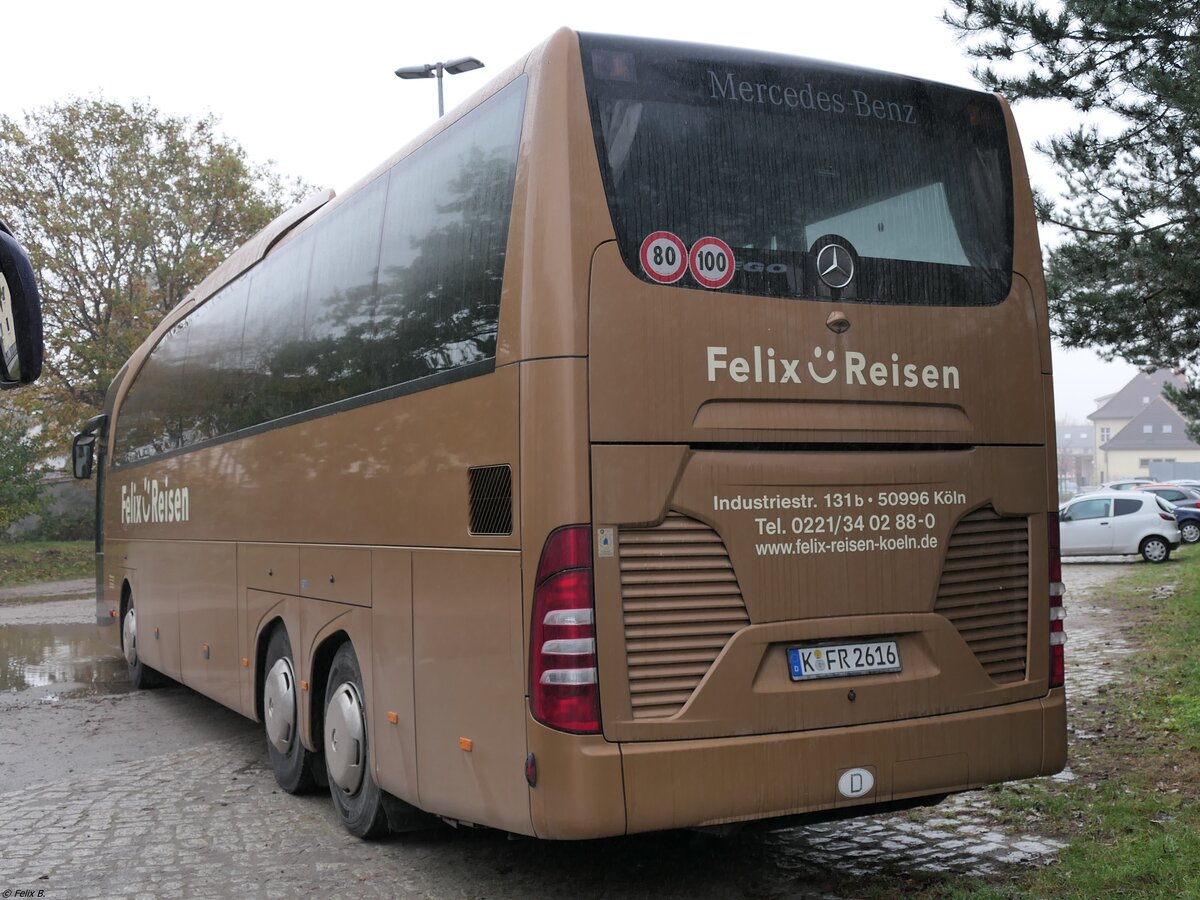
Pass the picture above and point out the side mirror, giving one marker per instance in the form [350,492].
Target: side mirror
[83,455]
[20,315]
[83,448]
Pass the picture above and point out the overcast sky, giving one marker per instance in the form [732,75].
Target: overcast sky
[310,86]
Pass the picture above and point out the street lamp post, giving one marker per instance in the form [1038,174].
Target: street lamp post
[431,70]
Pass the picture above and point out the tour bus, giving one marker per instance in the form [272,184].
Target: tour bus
[663,439]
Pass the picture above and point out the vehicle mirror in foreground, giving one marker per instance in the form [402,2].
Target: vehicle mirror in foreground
[20,315]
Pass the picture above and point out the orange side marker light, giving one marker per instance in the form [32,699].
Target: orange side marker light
[303,685]
[465,744]
[393,719]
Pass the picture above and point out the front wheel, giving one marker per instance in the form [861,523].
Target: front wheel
[141,676]
[356,796]
[1190,532]
[1155,550]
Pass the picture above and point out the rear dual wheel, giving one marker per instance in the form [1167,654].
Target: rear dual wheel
[356,796]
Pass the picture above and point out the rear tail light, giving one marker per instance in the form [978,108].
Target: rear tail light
[563,688]
[1057,613]
[1166,516]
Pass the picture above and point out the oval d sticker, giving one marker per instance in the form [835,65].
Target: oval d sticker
[856,783]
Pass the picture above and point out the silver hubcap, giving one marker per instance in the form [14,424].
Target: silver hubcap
[1155,551]
[345,729]
[129,636]
[1191,533]
[279,705]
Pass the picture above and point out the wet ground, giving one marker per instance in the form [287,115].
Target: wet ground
[110,793]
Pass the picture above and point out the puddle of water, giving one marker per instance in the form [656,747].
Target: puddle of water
[74,660]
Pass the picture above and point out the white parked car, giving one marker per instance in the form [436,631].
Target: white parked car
[1118,522]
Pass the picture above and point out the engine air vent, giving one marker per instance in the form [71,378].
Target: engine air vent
[681,604]
[984,590]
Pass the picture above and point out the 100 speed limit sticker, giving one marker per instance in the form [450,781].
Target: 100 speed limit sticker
[665,258]
[711,261]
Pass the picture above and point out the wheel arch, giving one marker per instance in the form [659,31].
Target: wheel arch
[260,658]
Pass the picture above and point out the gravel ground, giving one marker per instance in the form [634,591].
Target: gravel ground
[111,793]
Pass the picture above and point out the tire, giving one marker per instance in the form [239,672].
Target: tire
[1155,549]
[141,676]
[1190,532]
[290,760]
[356,796]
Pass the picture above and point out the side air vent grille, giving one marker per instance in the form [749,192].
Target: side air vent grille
[681,603]
[984,590]
[491,499]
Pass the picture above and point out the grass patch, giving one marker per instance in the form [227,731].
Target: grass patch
[39,561]
[1132,816]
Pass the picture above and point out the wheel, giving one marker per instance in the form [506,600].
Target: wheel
[1155,549]
[356,796]
[141,676]
[1190,532]
[290,760]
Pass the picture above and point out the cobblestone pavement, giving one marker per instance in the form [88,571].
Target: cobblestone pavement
[164,794]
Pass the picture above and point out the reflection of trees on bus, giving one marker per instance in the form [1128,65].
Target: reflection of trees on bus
[339,312]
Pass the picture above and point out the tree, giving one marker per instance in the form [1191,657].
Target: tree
[20,487]
[123,209]
[1126,279]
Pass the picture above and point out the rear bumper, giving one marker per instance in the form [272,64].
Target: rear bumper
[682,784]
[715,781]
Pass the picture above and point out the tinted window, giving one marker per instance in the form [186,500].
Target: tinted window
[151,420]
[323,319]
[216,390]
[272,362]
[444,236]
[339,318]
[1123,507]
[1088,509]
[778,156]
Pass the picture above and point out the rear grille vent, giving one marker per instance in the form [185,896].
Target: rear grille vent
[491,499]
[681,603]
[984,590]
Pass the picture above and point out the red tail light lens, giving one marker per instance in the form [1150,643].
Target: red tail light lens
[1057,613]
[1165,516]
[563,686]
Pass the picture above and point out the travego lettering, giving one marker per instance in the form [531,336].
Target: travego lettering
[766,366]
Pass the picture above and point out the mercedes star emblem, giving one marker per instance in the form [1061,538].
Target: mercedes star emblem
[835,265]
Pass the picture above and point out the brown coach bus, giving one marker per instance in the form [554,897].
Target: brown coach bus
[663,439]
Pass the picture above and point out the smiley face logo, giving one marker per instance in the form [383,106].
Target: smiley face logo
[812,371]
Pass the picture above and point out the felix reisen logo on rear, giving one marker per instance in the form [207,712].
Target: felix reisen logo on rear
[763,365]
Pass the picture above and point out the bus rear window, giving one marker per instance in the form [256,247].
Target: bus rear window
[778,157]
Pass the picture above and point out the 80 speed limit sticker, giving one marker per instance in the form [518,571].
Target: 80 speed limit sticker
[664,257]
[711,261]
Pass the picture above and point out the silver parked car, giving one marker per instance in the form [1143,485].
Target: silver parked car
[1119,522]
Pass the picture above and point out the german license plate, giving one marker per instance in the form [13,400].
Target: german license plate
[836,660]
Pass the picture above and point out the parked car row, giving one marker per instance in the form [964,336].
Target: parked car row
[1131,515]
[1119,522]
